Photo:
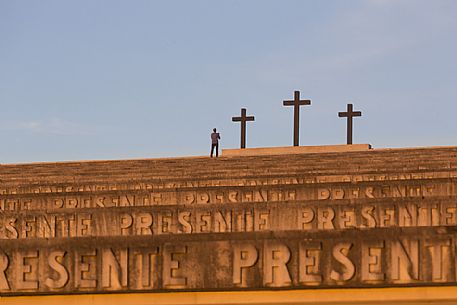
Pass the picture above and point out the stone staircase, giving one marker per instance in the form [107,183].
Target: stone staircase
[393,161]
[322,220]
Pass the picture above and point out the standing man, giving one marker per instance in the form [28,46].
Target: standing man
[215,142]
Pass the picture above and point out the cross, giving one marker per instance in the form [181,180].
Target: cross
[243,119]
[349,114]
[296,103]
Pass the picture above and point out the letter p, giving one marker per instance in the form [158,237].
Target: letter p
[244,256]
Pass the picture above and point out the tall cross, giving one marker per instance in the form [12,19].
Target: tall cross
[243,119]
[296,103]
[349,114]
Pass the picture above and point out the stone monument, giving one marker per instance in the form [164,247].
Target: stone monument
[362,226]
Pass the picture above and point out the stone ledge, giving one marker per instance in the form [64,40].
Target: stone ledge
[287,150]
[348,296]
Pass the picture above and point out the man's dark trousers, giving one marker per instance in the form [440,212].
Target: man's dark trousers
[217,149]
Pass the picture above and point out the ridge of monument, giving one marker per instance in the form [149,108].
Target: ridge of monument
[250,152]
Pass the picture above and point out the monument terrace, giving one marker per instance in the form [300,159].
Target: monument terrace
[246,228]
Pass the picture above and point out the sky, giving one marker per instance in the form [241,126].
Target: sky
[109,79]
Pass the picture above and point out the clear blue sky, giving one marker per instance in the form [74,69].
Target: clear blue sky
[92,79]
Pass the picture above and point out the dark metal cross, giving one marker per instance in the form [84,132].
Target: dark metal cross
[296,103]
[243,119]
[349,114]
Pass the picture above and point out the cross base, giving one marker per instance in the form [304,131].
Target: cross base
[288,150]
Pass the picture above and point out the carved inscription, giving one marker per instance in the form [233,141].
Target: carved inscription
[167,184]
[219,196]
[159,226]
[384,215]
[284,263]
[234,218]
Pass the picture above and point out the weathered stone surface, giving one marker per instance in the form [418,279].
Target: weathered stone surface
[229,218]
[294,150]
[353,219]
[354,258]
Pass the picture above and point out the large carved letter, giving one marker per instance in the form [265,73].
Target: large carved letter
[372,262]
[306,217]
[146,270]
[323,194]
[27,273]
[143,224]
[368,218]
[440,253]
[114,272]
[309,264]
[244,257]
[340,253]
[85,269]
[10,226]
[404,261]
[325,216]
[126,222]
[172,271]
[275,259]
[4,263]
[184,221]
[59,268]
